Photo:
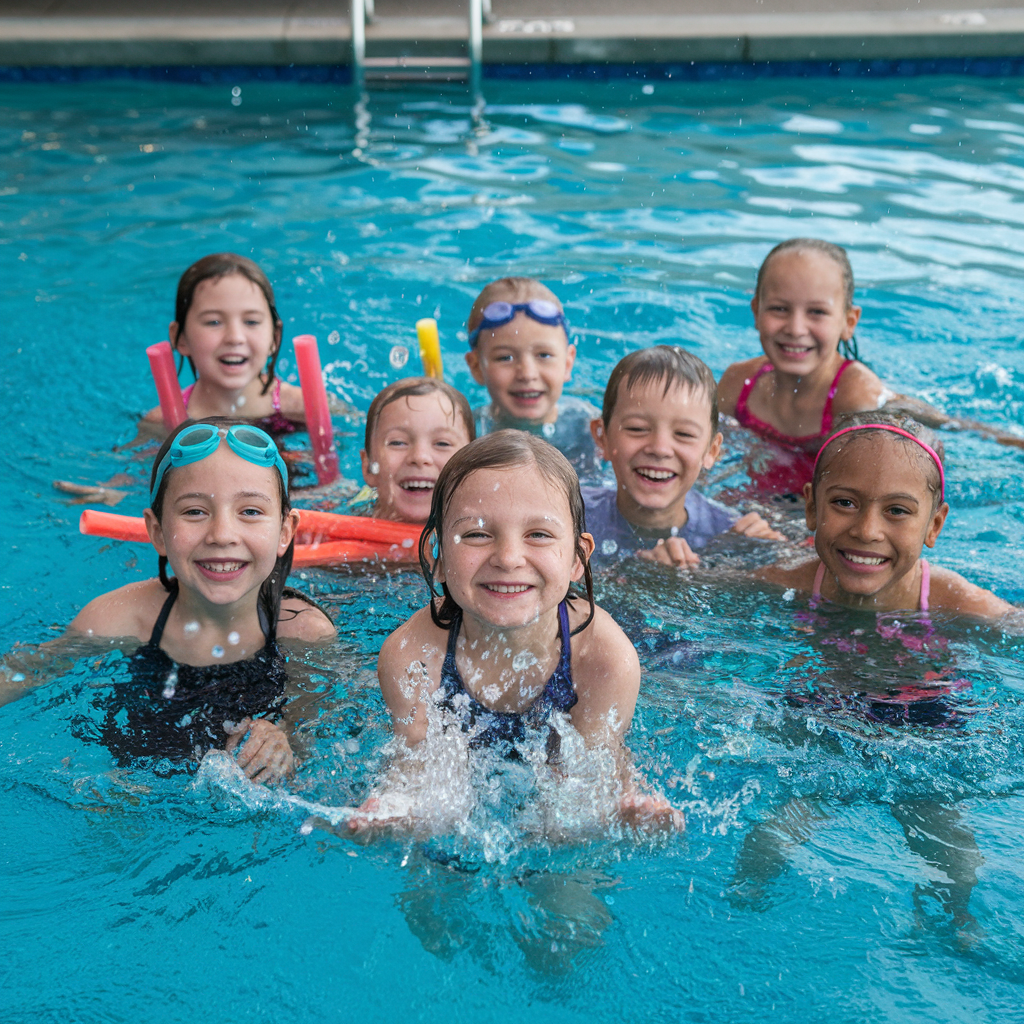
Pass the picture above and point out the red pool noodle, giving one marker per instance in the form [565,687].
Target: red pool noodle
[161,362]
[318,412]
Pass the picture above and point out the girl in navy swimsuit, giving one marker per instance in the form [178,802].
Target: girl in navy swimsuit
[505,651]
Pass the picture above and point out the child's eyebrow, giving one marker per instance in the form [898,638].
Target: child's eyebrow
[895,496]
[200,495]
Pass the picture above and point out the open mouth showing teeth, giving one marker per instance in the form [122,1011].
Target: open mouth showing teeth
[221,566]
[527,396]
[864,559]
[234,360]
[656,474]
[417,485]
[507,588]
[793,350]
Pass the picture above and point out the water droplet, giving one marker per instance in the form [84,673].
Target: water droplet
[236,101]
[399,356]
[789,595]
[191,627]
[407,542]
[351,746]
[171,684]
[648,90]
[548,430]
[218,651]
[674,531]
[374,468]
[457,538]
[236,91]
[609,547]
[331,237]
[240,401]
[334,337]
[18,677]
[233,639]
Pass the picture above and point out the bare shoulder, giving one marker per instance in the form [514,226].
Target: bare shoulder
[603,653]
[795,577]
[733,379]
[951,592]
[155,416]
[859,390]
[128,611]
[416,641]
[302,620]
[292,406]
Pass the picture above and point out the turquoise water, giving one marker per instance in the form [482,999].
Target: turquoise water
[833,864]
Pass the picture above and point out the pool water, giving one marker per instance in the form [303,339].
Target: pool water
[836,863]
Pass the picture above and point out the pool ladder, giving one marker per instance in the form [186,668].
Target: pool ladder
[409,68]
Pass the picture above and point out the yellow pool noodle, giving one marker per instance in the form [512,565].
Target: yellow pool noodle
[430,347]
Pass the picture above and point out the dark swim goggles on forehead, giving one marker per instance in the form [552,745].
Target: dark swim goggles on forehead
[497,314]
[196,443]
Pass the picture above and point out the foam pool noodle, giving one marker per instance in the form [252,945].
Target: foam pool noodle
[318,412]
[165,374]
[430,347]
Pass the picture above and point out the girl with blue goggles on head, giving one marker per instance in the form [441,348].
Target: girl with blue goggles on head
[209,672]
[522,352]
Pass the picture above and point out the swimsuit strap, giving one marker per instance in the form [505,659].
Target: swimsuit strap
[926,584]
[161,619]
[743,417]
[186,394]
[826,413]
[276,397]
[565,658]
[819,576]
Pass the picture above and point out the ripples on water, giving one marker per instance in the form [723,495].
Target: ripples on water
[815,875]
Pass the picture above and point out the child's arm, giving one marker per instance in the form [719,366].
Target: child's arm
[951,592]
[676,552]
[606,671]
[732,382]
[932,417]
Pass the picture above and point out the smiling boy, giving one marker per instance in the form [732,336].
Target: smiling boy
[659,430]
[520,350]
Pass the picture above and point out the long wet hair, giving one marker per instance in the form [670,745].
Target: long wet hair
[504,449]
[861,421]
[837,254]
[213,268]
[272,588]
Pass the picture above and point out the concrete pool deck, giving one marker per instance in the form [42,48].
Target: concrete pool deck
[262,32]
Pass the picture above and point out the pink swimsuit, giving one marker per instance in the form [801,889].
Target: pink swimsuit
[926,585]
[794,465]
[276,423]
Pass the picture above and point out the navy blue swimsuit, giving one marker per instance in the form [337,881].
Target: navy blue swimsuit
[497,728]
[175,711]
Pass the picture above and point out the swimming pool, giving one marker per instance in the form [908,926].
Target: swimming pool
[803,886]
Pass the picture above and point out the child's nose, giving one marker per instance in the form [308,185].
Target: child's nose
[221,527]
[869,525]
[420,452]
[660,441]
[507,553]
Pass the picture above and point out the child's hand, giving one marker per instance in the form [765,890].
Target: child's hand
[672,551]
[389,812]
[753,525]
[646,812]
[266,756]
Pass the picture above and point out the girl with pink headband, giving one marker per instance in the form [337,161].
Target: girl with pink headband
[876,500]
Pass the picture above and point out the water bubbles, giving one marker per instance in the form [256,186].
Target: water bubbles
[351,746]
[407,542]
[548,430]
[240,401]
[789,595]
[191,627]
[217,651]
[648,90]
[524,660]
[331,236]
[399,356]
[236,96]
[457,539]
[374,468]
[306,827]
[674,531]
[18,677]
[233,638]
[333,338]
[170,684]
[609,547]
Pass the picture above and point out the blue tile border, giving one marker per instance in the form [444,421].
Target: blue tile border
[691,71]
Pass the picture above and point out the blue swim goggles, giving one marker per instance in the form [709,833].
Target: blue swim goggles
[198,442]
[497,314]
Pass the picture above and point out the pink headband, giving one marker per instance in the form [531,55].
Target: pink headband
[892,430]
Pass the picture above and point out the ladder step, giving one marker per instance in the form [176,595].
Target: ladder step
[417,62]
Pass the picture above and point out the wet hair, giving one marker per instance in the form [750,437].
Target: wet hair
[509,289]
[411,386]
[837,254]
[213,268]
[902,421]
[272,588]
[504,449]
[670,365]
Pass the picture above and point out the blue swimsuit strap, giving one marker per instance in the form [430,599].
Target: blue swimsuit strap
[451,678]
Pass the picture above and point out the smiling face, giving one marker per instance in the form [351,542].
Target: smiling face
[221,527]
[524,365]
[228,332]
[414,437]
[801,312]
[872,513]
[508,551]
[657,442]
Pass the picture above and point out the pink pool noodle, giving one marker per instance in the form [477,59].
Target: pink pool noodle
[161,362]
[318,412]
